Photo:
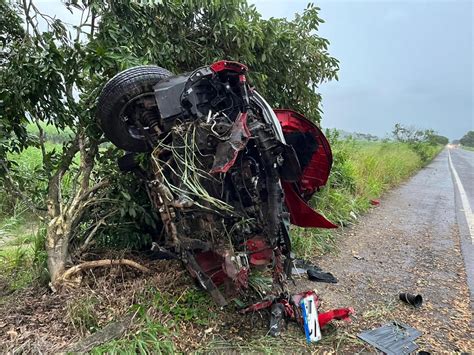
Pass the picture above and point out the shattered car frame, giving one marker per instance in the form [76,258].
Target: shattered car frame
[228,173]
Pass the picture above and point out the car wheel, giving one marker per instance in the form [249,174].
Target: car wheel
[119,95]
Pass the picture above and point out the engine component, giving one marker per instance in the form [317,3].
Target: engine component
[224,179]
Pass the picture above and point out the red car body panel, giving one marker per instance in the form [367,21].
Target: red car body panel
[301,214]
[229,65]
[314,175]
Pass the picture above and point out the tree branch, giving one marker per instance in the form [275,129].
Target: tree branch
[13,188]
[101,263]
[29,20]
[91,235]
[54,186]
[42,140]
[93,189]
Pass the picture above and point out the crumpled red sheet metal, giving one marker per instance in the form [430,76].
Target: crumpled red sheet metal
[294,301]
[316,173]
[222,65]
[260,252]
[227,151]
[337,314]
[257,306]
[296,298]
[220,268]
[211,263]
[374,202]
[301,214]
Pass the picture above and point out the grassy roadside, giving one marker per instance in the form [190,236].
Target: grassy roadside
[467,148]
[22,255]
[361,171]
[177,318]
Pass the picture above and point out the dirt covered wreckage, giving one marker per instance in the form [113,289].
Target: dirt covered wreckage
[228,173]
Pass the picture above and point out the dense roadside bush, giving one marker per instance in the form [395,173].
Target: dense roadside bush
[438,139]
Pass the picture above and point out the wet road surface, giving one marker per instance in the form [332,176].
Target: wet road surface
[461,163]
[410,243]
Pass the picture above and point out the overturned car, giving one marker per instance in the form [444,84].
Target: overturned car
[228,173]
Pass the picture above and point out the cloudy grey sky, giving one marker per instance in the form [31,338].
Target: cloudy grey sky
[401,61]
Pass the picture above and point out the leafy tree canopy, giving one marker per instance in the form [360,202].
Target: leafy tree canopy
[41,72]
[468,139]
[51,73]
[436,138]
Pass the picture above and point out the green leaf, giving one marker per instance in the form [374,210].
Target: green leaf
[126,195]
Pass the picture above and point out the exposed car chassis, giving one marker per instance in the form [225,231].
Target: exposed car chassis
[228,173]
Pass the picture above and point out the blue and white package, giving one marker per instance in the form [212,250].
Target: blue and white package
[310,319]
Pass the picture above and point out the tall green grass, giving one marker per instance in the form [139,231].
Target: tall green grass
[379,166]
[22,254]
[51,133]
[29,175]
[22,236]
[361,171]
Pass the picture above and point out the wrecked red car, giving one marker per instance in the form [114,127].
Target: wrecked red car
[228,175]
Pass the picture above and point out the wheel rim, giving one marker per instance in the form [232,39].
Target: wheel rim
[131,127]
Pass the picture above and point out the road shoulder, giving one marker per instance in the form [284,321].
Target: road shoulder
[410,243]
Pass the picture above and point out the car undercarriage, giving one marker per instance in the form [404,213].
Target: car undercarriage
[228,175]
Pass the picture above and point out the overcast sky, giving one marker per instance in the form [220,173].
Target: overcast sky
[401,61]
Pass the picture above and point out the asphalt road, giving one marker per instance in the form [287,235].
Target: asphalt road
[461,163]
[417,240]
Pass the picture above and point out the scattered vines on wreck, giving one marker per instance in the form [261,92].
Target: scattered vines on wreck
[187,168]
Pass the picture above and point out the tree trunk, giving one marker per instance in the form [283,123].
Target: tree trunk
[64,215]
[57,243]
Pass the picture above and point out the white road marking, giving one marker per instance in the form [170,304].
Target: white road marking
[465,202]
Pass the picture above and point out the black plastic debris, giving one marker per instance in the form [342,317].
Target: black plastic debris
[159,253]
[277,319]
[320,276]
[392,338]
[298,271]
[315,273]
[415,300]
[300,267]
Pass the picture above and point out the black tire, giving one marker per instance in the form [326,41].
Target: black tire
[118,91]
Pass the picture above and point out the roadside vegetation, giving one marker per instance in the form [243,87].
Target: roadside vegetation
[63,200]
[362,171]
[467,141]
[52,73]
